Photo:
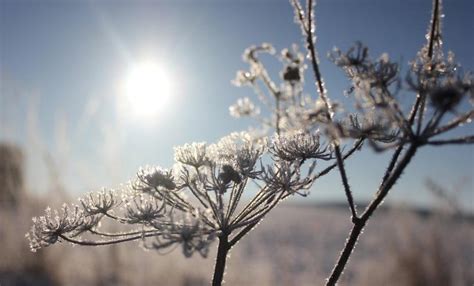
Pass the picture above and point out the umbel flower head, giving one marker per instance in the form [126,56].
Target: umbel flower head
[47,229]
[194,154]
[151,178]
[190,205]
[244,107]
[299,145]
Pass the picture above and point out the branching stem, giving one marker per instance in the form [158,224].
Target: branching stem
[362,221]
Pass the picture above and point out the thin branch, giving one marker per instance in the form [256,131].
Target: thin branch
[460,140]
[346,253]
[345,182]
[121,234]
[105,242]
[392,163]
[314,57]
[388,184]
[434,28]
[277,114]
[361,222]
[466,117]
[322,93]
[355,147]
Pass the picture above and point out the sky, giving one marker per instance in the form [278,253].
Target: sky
[63,65]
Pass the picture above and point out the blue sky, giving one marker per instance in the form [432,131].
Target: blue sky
[61,63]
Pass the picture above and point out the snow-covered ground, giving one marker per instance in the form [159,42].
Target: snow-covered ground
[294,245]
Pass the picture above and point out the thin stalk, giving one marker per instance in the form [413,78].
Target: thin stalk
[105,242]
[356,146]
[322,93]
[362,221]
[434,31]
[460,140]
[346,252]
[392,163]
[277,113]
[345,182]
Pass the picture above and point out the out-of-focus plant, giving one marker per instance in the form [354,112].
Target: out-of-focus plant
[200,199]
[442,101]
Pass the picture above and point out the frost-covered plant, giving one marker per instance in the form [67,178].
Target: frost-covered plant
[196,202]
[289,108]
[442,100]
[202,198]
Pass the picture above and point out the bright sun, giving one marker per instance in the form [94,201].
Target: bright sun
[147,89]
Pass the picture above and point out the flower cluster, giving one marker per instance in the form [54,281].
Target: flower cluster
[286,102]
[434,78]
[47,229]
[190,204]
[244,107]
[299,146]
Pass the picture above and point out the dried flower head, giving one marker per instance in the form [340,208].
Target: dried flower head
[244,108]
[299,145]
[98,203]
[47,229]
[194,154]
[151,178]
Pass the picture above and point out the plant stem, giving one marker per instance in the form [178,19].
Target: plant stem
[346,252]
[310,40]
[345,182]
[277,113]
[222,251]
[360,223]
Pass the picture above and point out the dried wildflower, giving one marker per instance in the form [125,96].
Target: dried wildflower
[98,203]
[370,79]
[228,174]
[299,145]
[152,178]
[285,177]
[214,178]
[190,233]
[193,154]
[47,229]
[244,78]
[143,209]
[238,150]
[244,107]
[371,127]
[90,222]
[357,55]
[294,65]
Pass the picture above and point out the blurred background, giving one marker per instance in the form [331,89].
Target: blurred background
[75,117]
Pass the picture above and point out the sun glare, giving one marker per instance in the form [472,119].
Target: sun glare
[147,89]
